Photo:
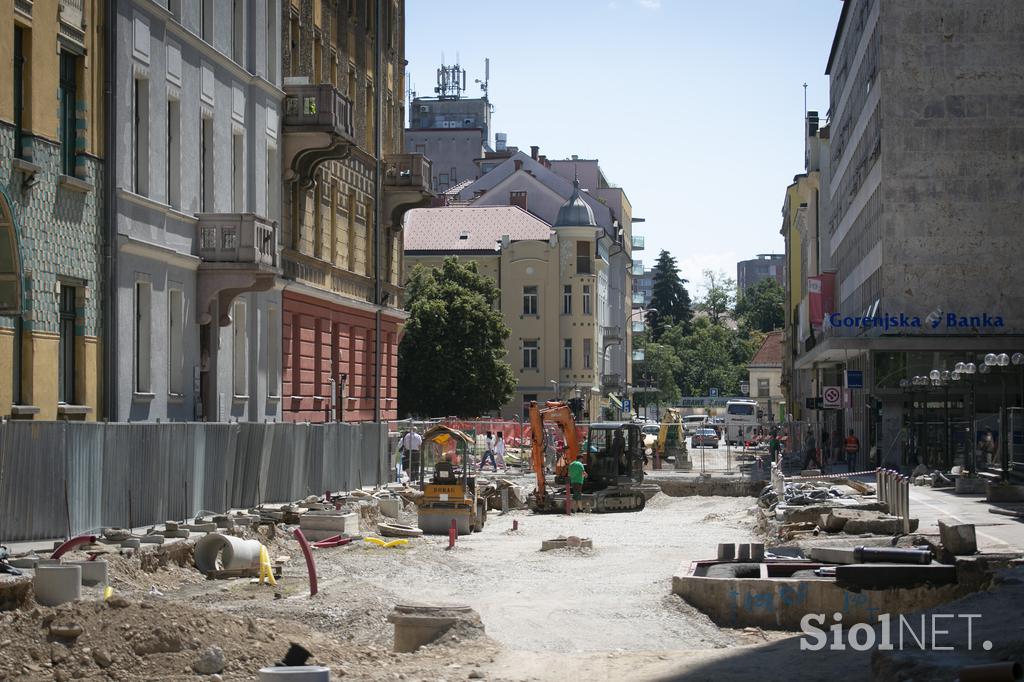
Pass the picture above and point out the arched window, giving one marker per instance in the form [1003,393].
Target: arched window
[10,262]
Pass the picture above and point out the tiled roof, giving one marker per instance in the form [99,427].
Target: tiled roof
[770,352]
[469,229]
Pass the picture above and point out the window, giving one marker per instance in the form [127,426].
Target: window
[567,300]
[67,344]
[16,361]
[68,99]
[174,153]
[140,136]
[143,332]
[587,347]
[273,352]
[586,299]
[206,166]
[530,349]
[237,173]
[271,43]
[293,40]
[174,6]
[273,181]
[207,21]
[567,354]
[237,32]
[763,389]
[175,343]
[529,300]
[583,258]
[19,89]
[239,351]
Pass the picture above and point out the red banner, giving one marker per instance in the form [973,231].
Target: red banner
[821,297]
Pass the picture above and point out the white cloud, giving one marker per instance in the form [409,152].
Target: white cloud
[649,4]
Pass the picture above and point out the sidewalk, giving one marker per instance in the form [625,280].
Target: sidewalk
[996,533]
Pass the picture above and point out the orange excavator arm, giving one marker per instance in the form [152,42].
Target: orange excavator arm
[560,414]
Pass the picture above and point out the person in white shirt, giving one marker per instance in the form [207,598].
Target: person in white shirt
[499,451]
[411,443]
[489,453]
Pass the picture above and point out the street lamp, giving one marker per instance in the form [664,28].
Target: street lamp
[941,379]
[557,387]
[992,361]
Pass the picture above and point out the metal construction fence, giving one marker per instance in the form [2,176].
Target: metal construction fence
[63,478]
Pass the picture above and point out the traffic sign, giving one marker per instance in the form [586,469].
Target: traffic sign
[626,405]
[854,378]
[832,397]
[714,393]
[745,387]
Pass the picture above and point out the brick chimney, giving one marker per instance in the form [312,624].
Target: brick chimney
[518,198]
[534,150]
[518,164]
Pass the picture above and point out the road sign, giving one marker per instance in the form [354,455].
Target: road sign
[626,405]
[714,393]
[832,397]
[854,378]
[745,387]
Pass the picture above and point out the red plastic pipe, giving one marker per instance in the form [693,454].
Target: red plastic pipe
[71,544]
[453,532]
[310,564]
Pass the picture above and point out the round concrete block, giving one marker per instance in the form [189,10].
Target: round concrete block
[56,584]
[297,673]
[743,552]
[416,625]
[756,551]
[726,551]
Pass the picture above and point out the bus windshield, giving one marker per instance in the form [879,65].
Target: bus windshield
[743,409]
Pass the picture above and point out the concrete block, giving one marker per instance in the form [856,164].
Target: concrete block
[152,539]
[833,555]
[874,526]
[726,551]
[202,528]
[958,538]
[176,533]
[93,572]
[837,518]
[390,507]
[1004,492]
[319,525]
[966,485]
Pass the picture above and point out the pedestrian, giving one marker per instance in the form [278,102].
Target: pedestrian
[810,450]
[489,453]
[411,443]
[774,446]
[577,474]
[499,451]
[852,447]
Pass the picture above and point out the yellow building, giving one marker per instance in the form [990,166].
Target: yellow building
[553,285]
[51,198]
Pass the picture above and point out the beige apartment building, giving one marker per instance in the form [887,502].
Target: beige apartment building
[553,284]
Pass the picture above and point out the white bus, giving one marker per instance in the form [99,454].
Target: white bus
[740,420]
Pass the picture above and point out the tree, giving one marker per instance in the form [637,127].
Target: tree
[719,295]
[711,356]
[670,300]
[452,357]
[657,373]
[761,306]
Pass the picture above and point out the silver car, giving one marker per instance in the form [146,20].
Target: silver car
[704,438]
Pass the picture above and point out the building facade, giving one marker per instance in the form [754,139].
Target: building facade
[764,375]
[920,218]
[346,187]
[195,213]
[553,284]
[761,267]
[52,183]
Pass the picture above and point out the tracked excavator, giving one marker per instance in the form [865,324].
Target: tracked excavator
[612,455]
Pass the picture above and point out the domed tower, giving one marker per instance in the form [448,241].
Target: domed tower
[581,274]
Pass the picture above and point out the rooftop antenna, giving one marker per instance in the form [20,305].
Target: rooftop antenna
[487,76]
[451,81]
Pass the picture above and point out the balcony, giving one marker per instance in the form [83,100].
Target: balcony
[638,268]
[72,27]
[639,327]
[408,179]
[318,126]
[638,299]
[238,254]
[638,243]
[612,335]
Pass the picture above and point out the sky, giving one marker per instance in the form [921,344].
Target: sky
[694,108]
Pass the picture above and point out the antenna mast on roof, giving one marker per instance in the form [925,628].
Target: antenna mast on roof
[451,81]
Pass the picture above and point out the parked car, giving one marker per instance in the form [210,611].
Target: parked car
[705,437]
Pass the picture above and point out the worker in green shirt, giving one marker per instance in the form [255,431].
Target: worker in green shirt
[577,472]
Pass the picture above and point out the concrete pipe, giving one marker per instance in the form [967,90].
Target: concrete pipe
[726,551]
[225,552]
[416,625]
[743,552]
[296,673]
[56,584]
[93,572]
[756,551]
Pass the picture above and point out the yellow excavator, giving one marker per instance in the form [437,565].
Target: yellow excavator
[671,443]
[612,455]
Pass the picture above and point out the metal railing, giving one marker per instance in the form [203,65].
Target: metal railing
[408,170]
[237,238]
[638,243]
[317,108]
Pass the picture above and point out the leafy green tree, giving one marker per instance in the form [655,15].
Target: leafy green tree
[452,357]
[658,372]
[669,298]
[719,296]
[760,307]
[711,356]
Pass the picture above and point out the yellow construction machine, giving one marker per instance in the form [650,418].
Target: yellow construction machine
[450,493]
[671,443]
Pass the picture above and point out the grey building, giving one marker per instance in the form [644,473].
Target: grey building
[196,210]
[761,267]
[920,219]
